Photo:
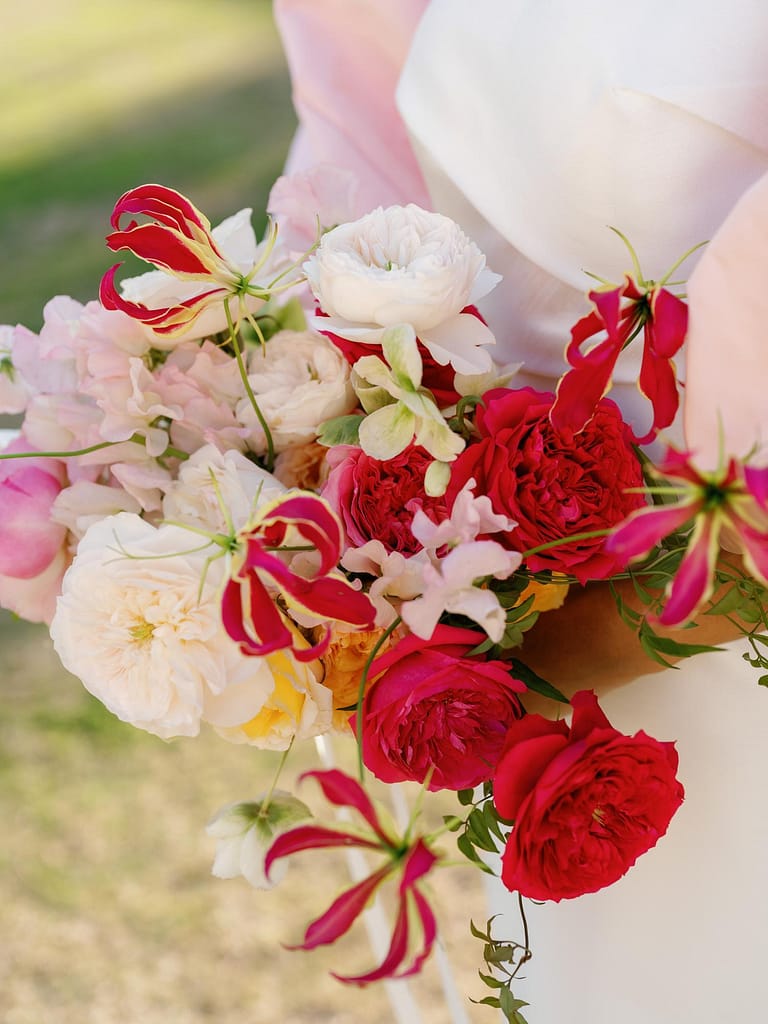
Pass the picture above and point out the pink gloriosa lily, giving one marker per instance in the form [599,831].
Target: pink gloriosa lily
[413,859]
[663,318]
[177,240]
[733,500]
[249,610]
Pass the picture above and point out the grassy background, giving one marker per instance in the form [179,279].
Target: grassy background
[108,911]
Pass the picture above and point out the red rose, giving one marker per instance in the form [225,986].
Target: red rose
[376,500]
[433,707]
[553,483]
[586,801]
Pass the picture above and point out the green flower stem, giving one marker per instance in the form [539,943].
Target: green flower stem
[562,541]
[249,390]
[135,439]
[268,798]
[361,693]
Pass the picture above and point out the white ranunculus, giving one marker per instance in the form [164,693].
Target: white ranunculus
[142,631]
[403,265]
[214,486]
[300,380]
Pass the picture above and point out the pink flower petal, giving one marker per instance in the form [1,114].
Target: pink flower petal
[693,582]
[311,837]
[343,912]
[344,791]
[642,530]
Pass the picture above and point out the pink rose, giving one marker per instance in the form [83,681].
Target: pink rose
[586,801]
[553,483]
[376,500]
[433,707]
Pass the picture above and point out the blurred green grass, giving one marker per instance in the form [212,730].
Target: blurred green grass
[97,97]
[108,911]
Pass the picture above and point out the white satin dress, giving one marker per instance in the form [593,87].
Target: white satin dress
[551,119]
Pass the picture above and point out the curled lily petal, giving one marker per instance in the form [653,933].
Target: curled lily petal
[343,912]
[311,837]
[693,582]
[643,529]
[344,791]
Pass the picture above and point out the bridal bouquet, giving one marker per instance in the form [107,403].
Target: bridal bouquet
[283,488]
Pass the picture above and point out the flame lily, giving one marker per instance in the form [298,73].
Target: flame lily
[178,240]
[732,500]
[249,610]
[663,319]
[413,859]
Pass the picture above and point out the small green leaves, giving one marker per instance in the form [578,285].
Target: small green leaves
[503,960]
[340,430]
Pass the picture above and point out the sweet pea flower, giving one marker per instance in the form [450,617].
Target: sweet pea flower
[449,586]
[14,393]
[249,612]
[400,411]
[730,502]
[179,241]
[324,194]
[470,516]
[411,858]
[403,265]
[397,578]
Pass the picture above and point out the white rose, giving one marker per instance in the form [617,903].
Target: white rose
[136,624]
[214,485]
[404,265]
[300,380]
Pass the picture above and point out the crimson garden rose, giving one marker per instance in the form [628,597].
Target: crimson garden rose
[376,500]
[586,801]
[432,706]
[554,483]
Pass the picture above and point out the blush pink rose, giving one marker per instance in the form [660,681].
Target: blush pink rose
[434,708]
[377,500]
[552,483]
[586,801]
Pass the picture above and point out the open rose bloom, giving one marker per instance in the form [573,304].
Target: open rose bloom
[341,510]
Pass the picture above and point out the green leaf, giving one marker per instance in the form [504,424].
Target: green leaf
[727,604]
[535,683]
[341,430]
[675,648]
[478,832]
[487,1001]
[485,936]
[490,981]
[466,796]
[762,681]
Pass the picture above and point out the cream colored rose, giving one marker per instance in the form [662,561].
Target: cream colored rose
[137,624]
[300,380]
[215,489]
[403,265]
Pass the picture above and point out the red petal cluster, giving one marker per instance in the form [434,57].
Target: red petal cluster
[249,612]
[663,319]
[177,240]
[413,860]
